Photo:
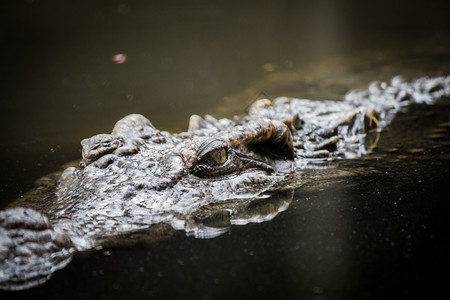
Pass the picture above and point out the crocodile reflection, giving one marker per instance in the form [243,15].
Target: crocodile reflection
[138,183]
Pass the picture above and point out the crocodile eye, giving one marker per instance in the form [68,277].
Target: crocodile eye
[219,155]
[215,159]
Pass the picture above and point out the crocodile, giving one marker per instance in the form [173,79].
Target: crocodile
[138,184]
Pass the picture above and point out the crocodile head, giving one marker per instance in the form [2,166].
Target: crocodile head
[138,175]
[146,158]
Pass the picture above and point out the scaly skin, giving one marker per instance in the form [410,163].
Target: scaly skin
[139,183]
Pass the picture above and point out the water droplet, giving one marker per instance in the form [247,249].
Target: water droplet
[119,58]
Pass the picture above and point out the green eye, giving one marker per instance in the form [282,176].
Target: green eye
[219,156]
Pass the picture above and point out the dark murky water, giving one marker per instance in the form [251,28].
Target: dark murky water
[377,235]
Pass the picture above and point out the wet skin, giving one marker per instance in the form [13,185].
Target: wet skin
[138,184]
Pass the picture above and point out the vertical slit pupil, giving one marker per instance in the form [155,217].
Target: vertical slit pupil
[219,156]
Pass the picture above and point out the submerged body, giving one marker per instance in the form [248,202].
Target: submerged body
[139,183]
